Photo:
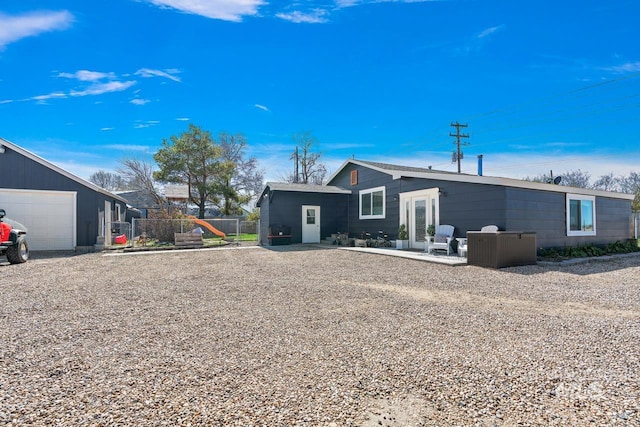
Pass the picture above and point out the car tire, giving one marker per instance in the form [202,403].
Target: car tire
[18,253]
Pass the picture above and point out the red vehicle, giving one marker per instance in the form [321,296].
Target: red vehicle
[13,243]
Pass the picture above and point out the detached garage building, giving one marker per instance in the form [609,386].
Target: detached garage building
[60,210]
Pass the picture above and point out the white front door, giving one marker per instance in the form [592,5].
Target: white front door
[310,224]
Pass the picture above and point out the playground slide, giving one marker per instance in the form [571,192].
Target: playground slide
[208,226]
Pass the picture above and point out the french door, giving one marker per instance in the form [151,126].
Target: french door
[419,209]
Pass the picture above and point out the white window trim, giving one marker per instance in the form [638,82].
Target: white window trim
[568,209]
[384,203]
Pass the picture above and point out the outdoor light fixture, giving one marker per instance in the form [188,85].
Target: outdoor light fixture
[1,148]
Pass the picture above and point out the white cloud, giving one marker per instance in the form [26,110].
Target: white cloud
[106,129]
[127,147]
[477,42]
[261,107]
[98,84]
[82,170]
[518,166]
[6,101]
[489,31]
[101,88]
[349,3]
[629,67]
[168,74]
[183,119]
[512,165]
[14,28]
[346,3]
[316,16]
[44,98]
[140,124]
[227,10]
[138,101]
[88,76]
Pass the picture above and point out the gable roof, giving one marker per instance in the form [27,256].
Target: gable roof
[302,188]
[139,199]
[397,172]
[28,154]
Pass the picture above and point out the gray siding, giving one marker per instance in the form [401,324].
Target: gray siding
[368,178]
[545,213]
[20,172]
[542,212]
[466,206]
[470,206]
[285,208]
[614,220]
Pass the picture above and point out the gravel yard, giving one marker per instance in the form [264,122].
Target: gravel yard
[317,337]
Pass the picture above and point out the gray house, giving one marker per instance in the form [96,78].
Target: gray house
[60,210]
[369,197]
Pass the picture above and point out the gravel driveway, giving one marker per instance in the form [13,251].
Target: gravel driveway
[313,336]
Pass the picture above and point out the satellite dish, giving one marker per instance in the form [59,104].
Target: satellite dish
[557,180]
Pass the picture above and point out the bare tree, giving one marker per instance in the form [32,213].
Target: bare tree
[629,184]
[578,179]
[139,176]
[308,166]
[108,180]
[241,179]
[607,182]
[570,179]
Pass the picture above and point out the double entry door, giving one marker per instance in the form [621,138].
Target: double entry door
[418,210]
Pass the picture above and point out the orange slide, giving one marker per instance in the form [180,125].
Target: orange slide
[208,226]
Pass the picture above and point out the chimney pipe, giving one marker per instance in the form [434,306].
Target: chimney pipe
[479,164]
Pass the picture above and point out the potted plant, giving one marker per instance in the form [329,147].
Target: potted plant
[402,242]
[431,230]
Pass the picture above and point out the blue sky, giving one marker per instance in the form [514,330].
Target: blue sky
[542,85]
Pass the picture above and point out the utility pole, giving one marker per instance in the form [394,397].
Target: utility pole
[296,162]
[458,155]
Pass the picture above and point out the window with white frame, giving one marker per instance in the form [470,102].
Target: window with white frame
[372,203]
[581,215]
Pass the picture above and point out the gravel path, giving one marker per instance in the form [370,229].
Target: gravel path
[312,336]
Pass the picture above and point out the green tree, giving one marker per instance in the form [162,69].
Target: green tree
[254,215]
[192,158]
[631,185]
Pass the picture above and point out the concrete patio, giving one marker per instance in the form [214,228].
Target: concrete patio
[438,258]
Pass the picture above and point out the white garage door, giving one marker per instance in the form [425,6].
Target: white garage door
[50,217]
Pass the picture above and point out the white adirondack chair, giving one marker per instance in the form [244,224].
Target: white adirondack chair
[462,242]
[442,239]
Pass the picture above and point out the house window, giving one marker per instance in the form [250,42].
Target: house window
[581,215]
[354,177]
[372,203]
[311,216]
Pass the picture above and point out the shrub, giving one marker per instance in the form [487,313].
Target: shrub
[402,233]
[163,225]
[586,251]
